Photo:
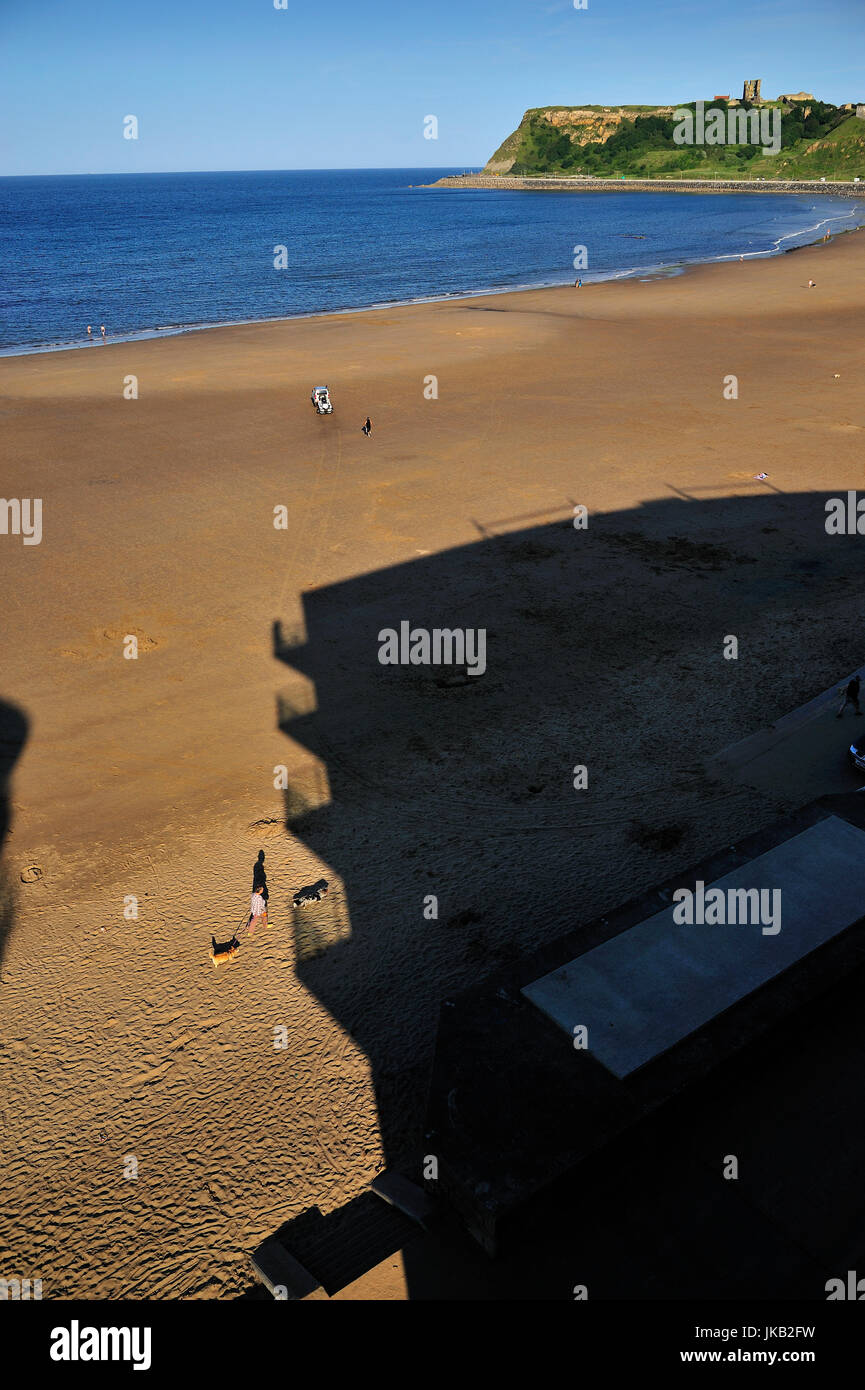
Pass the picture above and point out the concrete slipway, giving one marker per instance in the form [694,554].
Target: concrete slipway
[648,988]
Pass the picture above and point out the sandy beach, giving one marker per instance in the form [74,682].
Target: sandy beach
[159,778]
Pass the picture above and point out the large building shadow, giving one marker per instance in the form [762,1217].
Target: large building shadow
[13,736]
[605,648]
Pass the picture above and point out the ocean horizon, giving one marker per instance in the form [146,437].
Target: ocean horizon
[153,255]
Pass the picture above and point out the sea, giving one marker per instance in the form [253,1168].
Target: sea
[149,255]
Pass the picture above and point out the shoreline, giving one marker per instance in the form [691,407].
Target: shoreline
[663,271]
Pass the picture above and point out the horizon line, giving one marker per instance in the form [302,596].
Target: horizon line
[276,169]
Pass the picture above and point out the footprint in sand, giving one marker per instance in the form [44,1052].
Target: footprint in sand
[145,642]
[116,636]
[31,874]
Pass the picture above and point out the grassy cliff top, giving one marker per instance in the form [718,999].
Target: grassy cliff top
[817,141]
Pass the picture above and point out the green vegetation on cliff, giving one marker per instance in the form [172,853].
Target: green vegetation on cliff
[817,140]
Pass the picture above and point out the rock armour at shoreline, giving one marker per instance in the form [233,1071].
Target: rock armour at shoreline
[589,185]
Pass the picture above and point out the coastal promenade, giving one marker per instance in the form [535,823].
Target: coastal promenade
[556,183]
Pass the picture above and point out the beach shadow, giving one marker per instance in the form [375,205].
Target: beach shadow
[441,805]
[14,727]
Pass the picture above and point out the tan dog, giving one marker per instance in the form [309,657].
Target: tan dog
[223,951]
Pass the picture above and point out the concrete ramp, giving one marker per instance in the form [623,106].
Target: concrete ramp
[655,984]
[805,752]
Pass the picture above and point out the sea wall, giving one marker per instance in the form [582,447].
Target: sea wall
[588,185]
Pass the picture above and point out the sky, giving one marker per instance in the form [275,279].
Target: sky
[242,84]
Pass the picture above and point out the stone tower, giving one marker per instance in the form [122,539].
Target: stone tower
[751,90]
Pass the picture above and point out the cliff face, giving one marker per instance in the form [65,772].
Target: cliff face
[583,125]
[587,125]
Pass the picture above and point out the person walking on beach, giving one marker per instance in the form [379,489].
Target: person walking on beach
[257,912]
[90,332]
[103,332]
[367,427]
[851,697]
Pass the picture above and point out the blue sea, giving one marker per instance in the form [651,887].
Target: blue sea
[152,254]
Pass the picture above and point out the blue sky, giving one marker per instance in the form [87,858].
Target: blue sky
[239,84]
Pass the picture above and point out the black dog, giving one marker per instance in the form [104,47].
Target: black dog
[313,894]
[222,951]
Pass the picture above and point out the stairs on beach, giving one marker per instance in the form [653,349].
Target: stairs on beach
[314,1256]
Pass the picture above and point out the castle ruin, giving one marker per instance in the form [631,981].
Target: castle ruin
[751,90]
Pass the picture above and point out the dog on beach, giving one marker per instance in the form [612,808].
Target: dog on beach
[222,951]
[313,894]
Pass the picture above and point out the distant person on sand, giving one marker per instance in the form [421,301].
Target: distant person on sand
[851,697]
[90,332]
[578,284]
[103,332]
[257,913]
[259,877]
[367,427]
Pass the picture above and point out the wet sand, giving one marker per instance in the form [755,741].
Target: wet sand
[156,777]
